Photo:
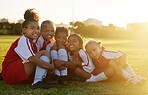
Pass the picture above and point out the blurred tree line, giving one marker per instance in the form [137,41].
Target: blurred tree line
[109,31]
[7,28]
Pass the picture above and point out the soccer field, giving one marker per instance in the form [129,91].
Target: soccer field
[137,57]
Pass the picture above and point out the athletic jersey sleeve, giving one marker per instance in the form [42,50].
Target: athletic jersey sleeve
[42,45]
[86,61]
[24,49]
[112,54]
[84,57]
[39,41]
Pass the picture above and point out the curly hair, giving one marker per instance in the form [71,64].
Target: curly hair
[30,15]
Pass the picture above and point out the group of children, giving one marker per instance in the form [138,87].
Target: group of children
[37,55]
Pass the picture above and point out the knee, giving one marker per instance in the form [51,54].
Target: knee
[77,70]
[112,63]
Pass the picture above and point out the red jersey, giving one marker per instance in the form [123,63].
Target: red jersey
[13,71]
[43,45]
[104,59]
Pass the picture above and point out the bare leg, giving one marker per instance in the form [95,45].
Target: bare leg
[117,69]
[109,72]
[30,69]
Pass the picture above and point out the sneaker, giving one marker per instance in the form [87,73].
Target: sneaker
[64,80]
[134,81]
[141,78]
[51,82]
[58,79]
[41,85]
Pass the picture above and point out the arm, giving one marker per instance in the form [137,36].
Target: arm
[42,52]
[85,58]
[60,63]
[35,60]
[76,61]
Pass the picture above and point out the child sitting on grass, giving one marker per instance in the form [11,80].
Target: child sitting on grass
[45,40]
[59,52]
[103,58]
[23,56]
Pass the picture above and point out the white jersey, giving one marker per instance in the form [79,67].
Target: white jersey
[25,49]
[112,54]
[87,63]
[42,45]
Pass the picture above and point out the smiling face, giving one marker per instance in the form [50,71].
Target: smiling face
[47,31]
[93,50]
[31,31]
[74,44]
[61,38]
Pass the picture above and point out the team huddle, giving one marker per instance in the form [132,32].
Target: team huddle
[51,51]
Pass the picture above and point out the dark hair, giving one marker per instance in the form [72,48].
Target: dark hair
[30,15]
[62,29]
[78,37]
[48,22]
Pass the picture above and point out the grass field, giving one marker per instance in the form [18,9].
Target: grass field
[137,52]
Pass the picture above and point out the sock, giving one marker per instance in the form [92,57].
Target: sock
[40,73]
[130,70]
[63,56]
[99,77]
[54,55]
[126,75]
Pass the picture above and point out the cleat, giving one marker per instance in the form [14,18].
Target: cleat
[41,85]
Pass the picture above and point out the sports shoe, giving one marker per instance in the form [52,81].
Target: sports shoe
[41,85]
[64,80]
[134,80]
[51,82]
[141,78]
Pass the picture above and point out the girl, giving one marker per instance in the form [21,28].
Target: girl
[84,66]
[22,57]
[45,40]
[116,59]
[59,52]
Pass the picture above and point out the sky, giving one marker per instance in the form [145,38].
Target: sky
[117,12]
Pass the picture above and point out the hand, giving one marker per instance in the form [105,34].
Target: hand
[62,68]
[73,65]
[76,61]
[54,47]
[57,63]
[61,47]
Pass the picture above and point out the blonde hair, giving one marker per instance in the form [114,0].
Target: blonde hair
[99,43]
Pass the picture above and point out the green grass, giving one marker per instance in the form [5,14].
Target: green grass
[137,52]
